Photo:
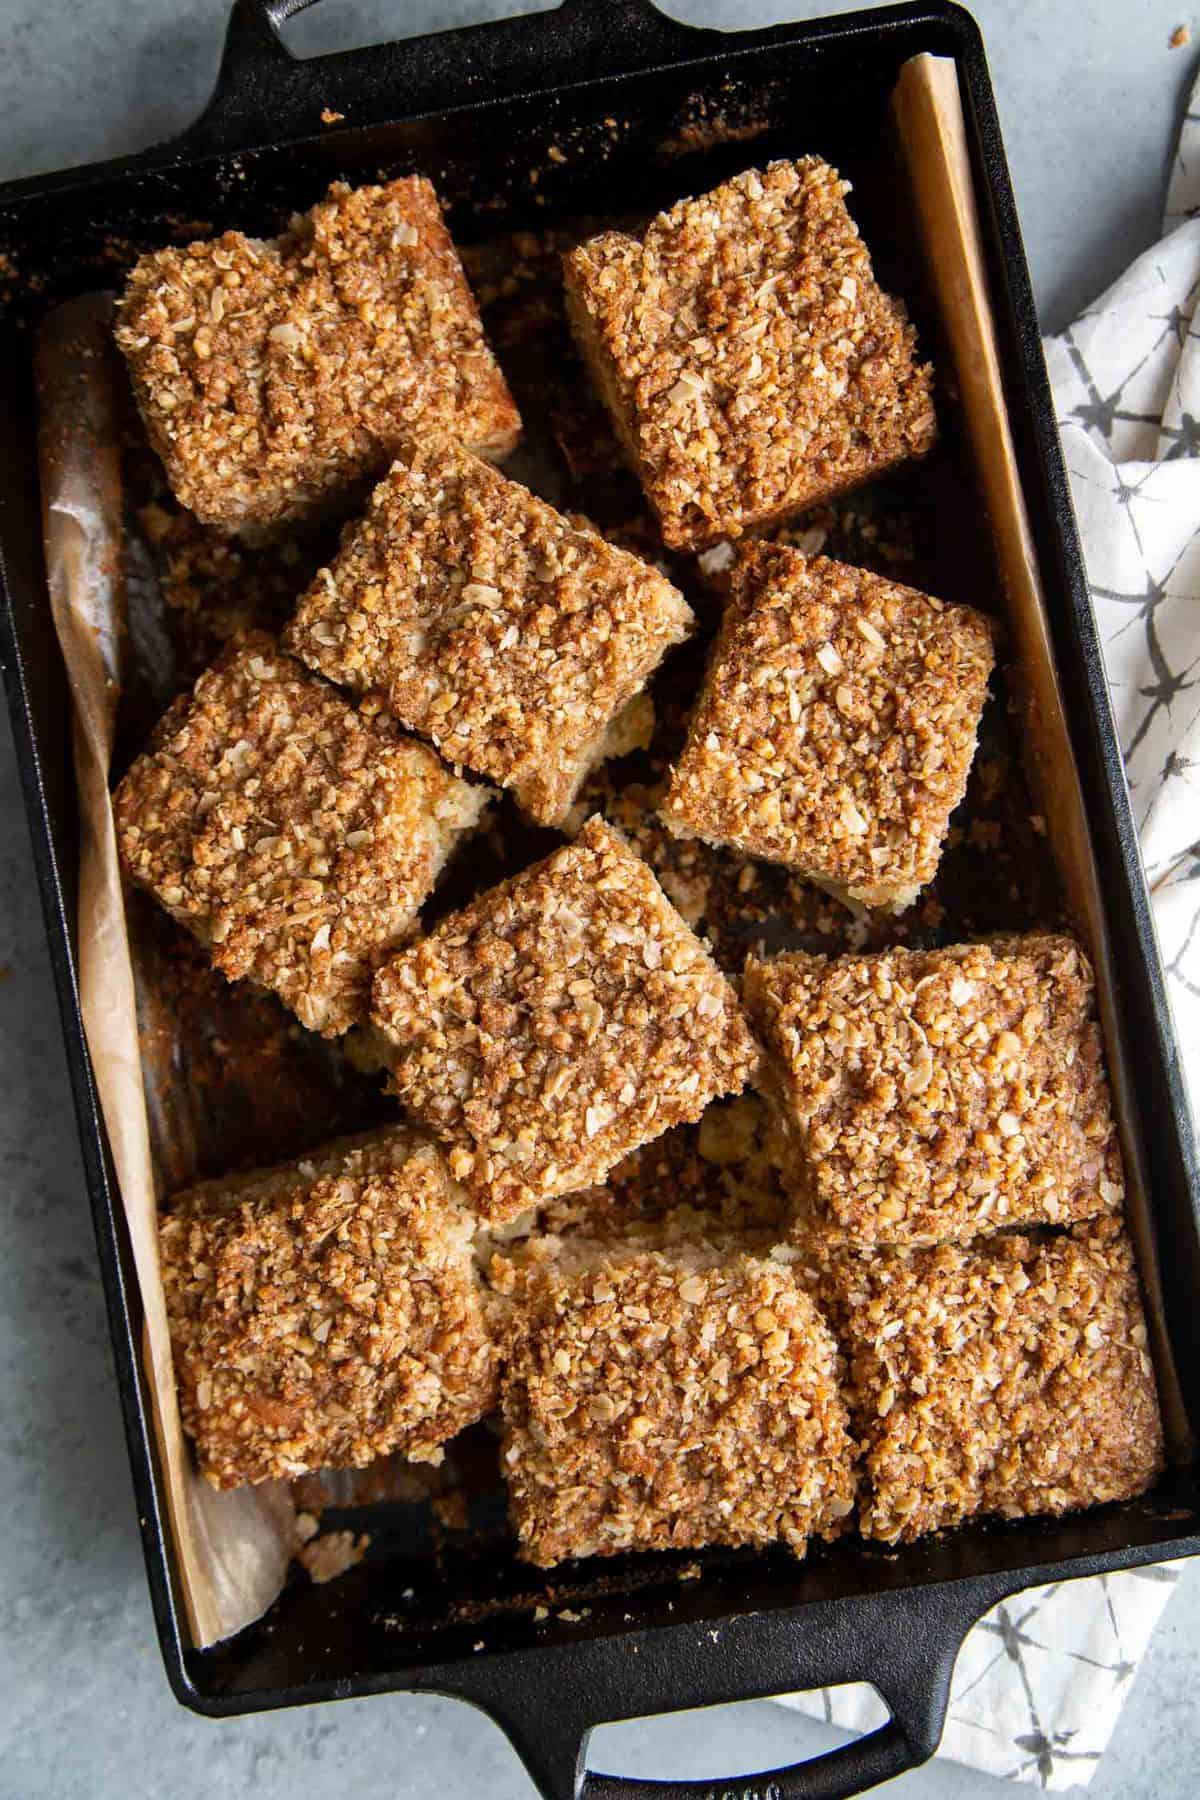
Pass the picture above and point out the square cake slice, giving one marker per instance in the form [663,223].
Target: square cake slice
[749,359]
[934,1094]
[836,726]
[1006,1376]
[272,374]
[292,835]
[490,623]
[666,1400]
[556,1023]
[326,1312]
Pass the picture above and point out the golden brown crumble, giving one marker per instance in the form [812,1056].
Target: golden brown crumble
[489,622]
[933,1094]
[216,587]
[332,1554]
[836,726]
[556,1023]
[1007,1376]
[669,1399]
[326,1312]
[715,1183]
[270,374]
[715,1179]
[751,363]
[293,836]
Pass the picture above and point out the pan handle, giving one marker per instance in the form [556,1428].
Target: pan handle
[265,94]
[837,1775]
[903,1641]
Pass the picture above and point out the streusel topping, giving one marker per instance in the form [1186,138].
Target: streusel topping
[501,630]
[752,364]
[294,836]
[836,726]
[326,1312]
[558,1022]
[272,373]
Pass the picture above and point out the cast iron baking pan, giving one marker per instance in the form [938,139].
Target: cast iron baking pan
[477,109]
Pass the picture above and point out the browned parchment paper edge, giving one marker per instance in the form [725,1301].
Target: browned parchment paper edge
[232,1548]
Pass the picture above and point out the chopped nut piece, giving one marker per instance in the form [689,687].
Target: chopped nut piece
[751,364]
[484,1013]
[507,634]
[813,745]
[908,1121]
[323,349]
[326,1312]
[998,1377]
[293,836]
[669,1426]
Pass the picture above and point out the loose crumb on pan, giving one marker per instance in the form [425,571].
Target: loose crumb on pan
[934,1094]
[332,1554]
[326,1312]
[715,1179]
[490,623]
[293,836]
[1006,1376]
[751,363]
[271,373]
[836,726]
[556,1023]
[670,1399]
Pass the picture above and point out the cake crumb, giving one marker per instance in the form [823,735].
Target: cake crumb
[332,1554]
[1179,38]
[307,1527]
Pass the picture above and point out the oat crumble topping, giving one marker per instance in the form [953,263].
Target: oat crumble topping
[489,622]
[716,1179]
[556,1023]
[1007,1376]
[836,726]
[932,1094]
[293,836]
[669,1399]
[751,363]
[326,1312]
[272,373]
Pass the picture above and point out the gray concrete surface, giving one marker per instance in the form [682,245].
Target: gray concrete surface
[1089,95]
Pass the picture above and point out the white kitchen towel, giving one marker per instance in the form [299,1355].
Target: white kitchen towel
[1040,1682]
